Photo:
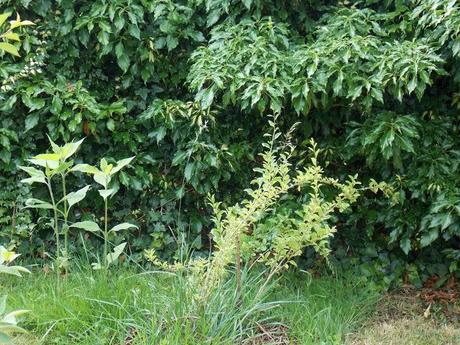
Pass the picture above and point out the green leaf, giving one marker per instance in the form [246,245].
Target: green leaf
[104,26]
[34,179]
[37,203]
[9,104]
[103,37]
[206,98]
[119,22]
[69,149]
[13,270]
[11,317]
[247,3]
[11,36]
[10,328]
[134,31]
[31,121]
[122,57]
[412,85]
[110,125]
[86,225]
[429,237]
[105,193]
[46,163]
[112,257]
[405,245]
[123,226]
[179,157]
[102,179]
[33,172]
[85,168]
[189,169]
[48,157]
[171,42]
[33,103]
[54,146]
[56,105]
[4,17]
[9,48]
[35,175]
[75,197]
[123,62]
[121,164]
[17,23]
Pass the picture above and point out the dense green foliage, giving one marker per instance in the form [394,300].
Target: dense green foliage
[186,87]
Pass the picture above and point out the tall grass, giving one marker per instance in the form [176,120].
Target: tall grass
[148,308]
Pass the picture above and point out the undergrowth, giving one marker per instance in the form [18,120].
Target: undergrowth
[126,307]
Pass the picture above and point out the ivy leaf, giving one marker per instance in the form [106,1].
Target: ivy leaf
[429,237]
[405,245]
[171,42]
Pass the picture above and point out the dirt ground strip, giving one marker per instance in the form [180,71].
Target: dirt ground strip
[411,317]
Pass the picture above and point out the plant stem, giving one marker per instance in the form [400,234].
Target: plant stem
[66,229]
[238,267]
[13,221]
[106,235]
[56,225]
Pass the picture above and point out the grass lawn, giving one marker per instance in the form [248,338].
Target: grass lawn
[153,308]
[127,308]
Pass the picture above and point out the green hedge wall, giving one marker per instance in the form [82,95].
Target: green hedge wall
[187,85]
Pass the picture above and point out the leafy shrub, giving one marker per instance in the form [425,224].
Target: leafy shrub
[58,165]
[278,248]
[185,86]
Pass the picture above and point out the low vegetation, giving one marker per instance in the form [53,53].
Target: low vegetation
[153,308]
